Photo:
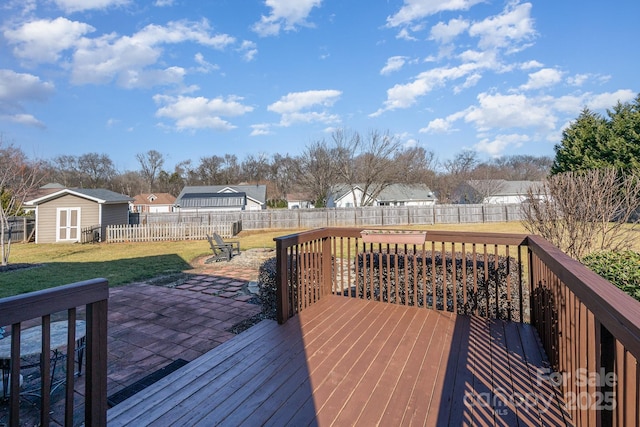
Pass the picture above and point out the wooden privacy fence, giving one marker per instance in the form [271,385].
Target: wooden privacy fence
[22,228]
[157,232]
[347,217]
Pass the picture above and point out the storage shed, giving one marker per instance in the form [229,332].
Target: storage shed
[64,215]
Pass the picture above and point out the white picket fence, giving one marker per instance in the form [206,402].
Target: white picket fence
[159,232]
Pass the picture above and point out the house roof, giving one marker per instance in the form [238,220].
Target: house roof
[98,195]
[300,196]
[406,193]
[391,193]
[502,187]
[154,199]
[221,195]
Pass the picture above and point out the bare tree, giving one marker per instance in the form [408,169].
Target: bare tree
[209,170]
[581,212]
[97,168]
[151,164]
[282,174]
[456,172]
[255,168]
[368,162]
[65,171]
[316,171]
[18,179]
[230,170]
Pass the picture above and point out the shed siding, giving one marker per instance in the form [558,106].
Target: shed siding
[113,215]
[46,227]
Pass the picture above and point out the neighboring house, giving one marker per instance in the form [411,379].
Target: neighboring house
[299,201]
[61,215]
[153,203]
[344,196]
[222,198]
[494,191]
[406,195]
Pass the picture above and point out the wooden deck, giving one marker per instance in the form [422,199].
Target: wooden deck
[353,362]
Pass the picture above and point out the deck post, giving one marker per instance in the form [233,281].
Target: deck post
[326,260]
[95,411]
[282,291]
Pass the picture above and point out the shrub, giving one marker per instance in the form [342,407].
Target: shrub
[488,295]
[620,268]
[267,286]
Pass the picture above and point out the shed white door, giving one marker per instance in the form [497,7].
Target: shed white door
[68,225]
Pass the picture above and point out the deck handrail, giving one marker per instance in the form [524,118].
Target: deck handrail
[590,330]
[293,246]
[587,326]
[92,294]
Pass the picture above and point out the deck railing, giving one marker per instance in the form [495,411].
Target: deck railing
[591,332]
[589,328]
[88,299]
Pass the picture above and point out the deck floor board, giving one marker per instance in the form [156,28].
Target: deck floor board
[346,361]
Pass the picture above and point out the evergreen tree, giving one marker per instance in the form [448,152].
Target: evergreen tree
[596,142]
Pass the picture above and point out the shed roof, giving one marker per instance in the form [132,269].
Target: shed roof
[98,195]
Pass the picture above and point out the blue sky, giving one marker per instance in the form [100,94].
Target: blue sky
[200,78]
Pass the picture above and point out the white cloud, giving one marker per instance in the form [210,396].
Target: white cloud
[531,64]
[18,88]
[127,58]
[70,6]
[543,78]
[404,34]
[437,126]
[200,112]
[445,33]
[578,79]
[248,49]
[260,129]
[394,63]
[164,3]
[469,82]
[285,15]
[204,65]
[506,30]
[292,107]
[44,40]
[607,100]
[405,95]
[23,119]
[496,146]
[413,10]
[510,111]
[296,101]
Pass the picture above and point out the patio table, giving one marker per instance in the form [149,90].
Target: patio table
[31,345]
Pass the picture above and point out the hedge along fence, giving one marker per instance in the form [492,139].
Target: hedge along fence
[347,217]
[484,283]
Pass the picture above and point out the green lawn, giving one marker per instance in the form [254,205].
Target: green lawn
[120,263]
[124,263]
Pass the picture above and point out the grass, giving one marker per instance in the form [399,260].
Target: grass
[120,263]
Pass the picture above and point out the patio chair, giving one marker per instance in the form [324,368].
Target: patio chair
[233,244]
[223,252]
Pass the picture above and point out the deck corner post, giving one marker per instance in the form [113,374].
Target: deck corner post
[95,412]
[282,291]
